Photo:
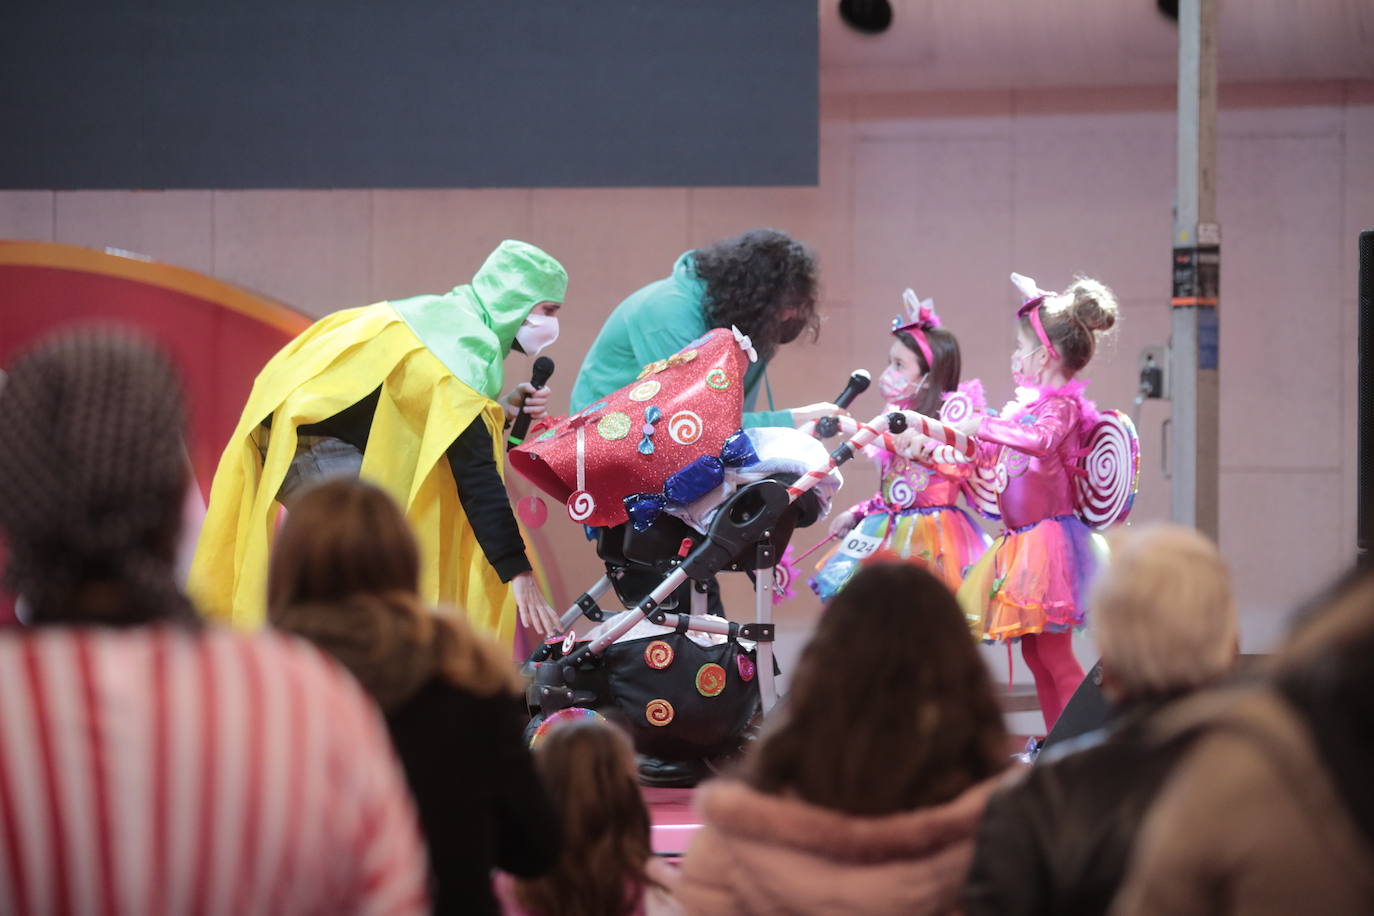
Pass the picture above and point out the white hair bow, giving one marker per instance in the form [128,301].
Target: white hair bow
[745,344]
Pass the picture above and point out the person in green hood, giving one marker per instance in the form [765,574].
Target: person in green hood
[762,282]
[404,394]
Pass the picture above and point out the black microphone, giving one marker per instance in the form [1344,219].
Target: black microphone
[857,385]
[543,369]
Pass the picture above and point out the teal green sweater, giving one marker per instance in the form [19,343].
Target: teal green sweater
[654,323]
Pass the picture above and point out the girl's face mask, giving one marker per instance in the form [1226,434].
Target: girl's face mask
[538,332]
[903,379]
[896,386]
[1026,366]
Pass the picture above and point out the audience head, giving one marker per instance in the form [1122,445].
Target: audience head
[93,474]
[345,574]
[588,767]
[762,282]
[1330,650]
[1163,614]
[891,707]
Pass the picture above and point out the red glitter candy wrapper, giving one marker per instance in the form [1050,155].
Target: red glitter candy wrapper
[631,441]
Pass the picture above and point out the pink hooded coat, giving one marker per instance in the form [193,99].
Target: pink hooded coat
[758,854]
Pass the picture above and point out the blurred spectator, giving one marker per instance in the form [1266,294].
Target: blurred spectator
[1058,841]
[345,574]
[608,867]
[149,764]
[1272,810]
[864,793]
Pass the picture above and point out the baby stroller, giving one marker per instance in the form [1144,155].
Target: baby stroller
[688,496]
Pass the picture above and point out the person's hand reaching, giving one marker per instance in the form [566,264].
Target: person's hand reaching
[803,415]
[534,609]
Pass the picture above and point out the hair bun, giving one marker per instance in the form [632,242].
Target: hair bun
[1094,305]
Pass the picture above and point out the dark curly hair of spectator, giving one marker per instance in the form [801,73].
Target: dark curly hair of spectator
[93,473]
[762,282]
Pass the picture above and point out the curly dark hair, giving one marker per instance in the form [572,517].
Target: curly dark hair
[762,282]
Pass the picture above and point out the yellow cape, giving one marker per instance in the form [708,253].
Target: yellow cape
[423,408]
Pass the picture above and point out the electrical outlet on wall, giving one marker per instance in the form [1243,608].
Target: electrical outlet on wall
[1154,372]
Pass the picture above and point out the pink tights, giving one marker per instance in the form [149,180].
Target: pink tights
[1057,672]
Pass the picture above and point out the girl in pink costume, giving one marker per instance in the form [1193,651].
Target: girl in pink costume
[913,516]
[1031,583]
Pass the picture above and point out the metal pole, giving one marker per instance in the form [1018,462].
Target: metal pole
[1193,352]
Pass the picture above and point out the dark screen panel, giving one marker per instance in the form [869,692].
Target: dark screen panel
[466,93]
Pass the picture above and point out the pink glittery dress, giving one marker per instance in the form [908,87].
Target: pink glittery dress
[1033,578]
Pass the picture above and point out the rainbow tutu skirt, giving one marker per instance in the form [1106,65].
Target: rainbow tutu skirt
[1033,579]
[944,539]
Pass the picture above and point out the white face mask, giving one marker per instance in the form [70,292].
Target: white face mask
[536,333]
[1020,371]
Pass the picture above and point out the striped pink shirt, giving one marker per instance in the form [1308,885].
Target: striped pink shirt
[157,771]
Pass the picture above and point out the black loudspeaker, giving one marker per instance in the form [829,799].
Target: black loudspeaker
[1364,512]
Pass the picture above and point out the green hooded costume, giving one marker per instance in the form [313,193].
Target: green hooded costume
[436,362]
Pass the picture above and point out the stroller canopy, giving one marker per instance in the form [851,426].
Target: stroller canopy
[664,439]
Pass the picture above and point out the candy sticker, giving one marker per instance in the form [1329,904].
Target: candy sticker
[710,680]
[645,390]
[746,668]
[658,655]
[678,359]
[613,426]
[717,379]
[658,712]
[581,505]
[684,427]
[653,368]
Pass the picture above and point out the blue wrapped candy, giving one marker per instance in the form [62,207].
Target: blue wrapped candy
[738,451]
[643,508]
[694,481]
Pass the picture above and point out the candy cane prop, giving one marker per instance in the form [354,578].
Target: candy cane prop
[955,447]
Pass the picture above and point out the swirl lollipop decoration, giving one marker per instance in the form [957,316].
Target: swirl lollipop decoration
[684,427]
[658,655]
[1111,471]
[900,493]
[710,680]
[659,712]
[983,488]
[958,407]
[581,505]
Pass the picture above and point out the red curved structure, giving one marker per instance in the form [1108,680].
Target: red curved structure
[218,335]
